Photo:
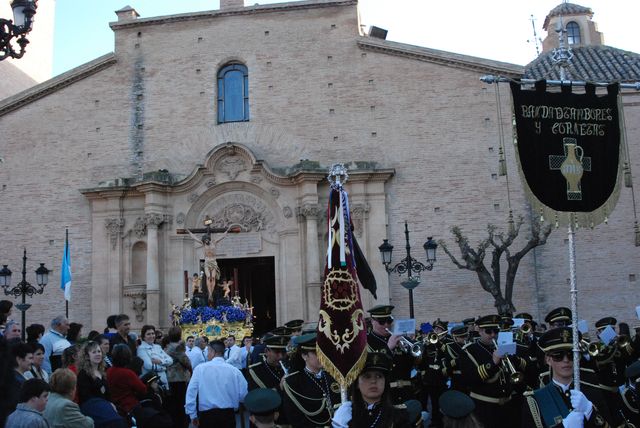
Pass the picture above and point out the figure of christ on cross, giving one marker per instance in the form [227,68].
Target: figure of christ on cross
[212,270]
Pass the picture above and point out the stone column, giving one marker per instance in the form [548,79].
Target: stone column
[153,221]
[309,214]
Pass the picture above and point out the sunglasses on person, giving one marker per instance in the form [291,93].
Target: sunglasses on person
[559,356]
[492,330]
[387,320]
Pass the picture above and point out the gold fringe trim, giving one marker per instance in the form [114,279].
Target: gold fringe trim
[352,375]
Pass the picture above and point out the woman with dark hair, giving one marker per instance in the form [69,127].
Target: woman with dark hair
[34,333]
[129,392]
[70,358]
[178,375]
[36,371]
[73,335]
[103,341]
[153,356]
[371,400]
[5,313]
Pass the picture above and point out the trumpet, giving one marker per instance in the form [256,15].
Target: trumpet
[595,348]
[433,338]
[515,377]
[408,347]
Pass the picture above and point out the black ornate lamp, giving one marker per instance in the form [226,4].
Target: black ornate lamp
[23,288]
[409,265]
[23,13]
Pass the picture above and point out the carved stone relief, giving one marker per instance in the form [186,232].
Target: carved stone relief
[140,228]
[154,219]
[114,228]
[232,166]
[139,305]
[241,208]
[210,183]
[180,218]
[274,192]
[308,211]
[256,179]
[193,197]
[287,212]
[359,213]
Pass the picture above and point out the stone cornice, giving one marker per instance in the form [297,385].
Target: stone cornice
[52,85]
[248,10]
[480,65]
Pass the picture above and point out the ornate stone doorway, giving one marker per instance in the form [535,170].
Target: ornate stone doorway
[254,280]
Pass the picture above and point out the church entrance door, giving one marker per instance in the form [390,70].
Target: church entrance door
[254,280]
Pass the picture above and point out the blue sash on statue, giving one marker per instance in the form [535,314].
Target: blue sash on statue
[552,407]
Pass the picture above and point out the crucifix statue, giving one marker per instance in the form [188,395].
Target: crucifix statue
[212,271]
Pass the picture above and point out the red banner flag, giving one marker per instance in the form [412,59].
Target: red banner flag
[342,336]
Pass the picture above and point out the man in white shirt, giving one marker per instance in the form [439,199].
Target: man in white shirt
[219,388]
[233,353]
[189,343]
[198,354]
[54,342]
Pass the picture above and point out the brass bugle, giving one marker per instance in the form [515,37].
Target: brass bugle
[433,337]
[595,348]
[526,328]
[515,377]
[415,349]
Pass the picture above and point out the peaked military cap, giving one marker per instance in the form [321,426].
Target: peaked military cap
[306,342]
[149,377]
[506,322]
[556,339]
[633,372]
[468,321]
[459,331]
[281,331]
[414,410]
[489,321]
[456,404]
[378,361]
[606,321]
[441,324]
[277,342]
[262,401]
[381,311]
[558,314]
[294,324]
[525,316]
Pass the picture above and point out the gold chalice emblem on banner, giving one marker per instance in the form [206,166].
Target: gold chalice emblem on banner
[572,167]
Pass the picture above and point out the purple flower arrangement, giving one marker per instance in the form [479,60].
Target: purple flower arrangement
[219,313]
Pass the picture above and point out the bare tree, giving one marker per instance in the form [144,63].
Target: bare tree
[498,244]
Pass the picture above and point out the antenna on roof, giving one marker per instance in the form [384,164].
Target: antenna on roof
[536,39]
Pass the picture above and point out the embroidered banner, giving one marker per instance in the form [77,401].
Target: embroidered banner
[342,336]
[569,150]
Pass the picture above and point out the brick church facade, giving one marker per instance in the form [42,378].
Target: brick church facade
[237,114]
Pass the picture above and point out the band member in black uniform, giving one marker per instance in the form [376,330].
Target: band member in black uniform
[630,395]
[310,393]
[433,371]
[558,404]
[558,317]
[610,363]
[381,340]
[370,404]
[263,406]
[491,382]
[452,355]
[269,372]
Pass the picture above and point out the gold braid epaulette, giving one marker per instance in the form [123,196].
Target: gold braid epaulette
[535,411]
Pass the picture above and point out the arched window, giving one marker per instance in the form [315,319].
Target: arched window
[233,93]
[573,33]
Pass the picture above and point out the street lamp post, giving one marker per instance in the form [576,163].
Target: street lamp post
[409,265]
[23,12]
[23,288]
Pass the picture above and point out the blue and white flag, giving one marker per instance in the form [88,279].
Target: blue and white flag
[65,273]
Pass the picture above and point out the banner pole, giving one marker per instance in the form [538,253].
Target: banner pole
[574,304]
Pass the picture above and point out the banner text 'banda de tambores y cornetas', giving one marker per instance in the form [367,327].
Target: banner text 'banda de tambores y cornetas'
[568,150]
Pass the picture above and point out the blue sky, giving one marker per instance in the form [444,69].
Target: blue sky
[494,29]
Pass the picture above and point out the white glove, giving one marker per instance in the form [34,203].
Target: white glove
[342,416]
[573,420]
[580,403]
